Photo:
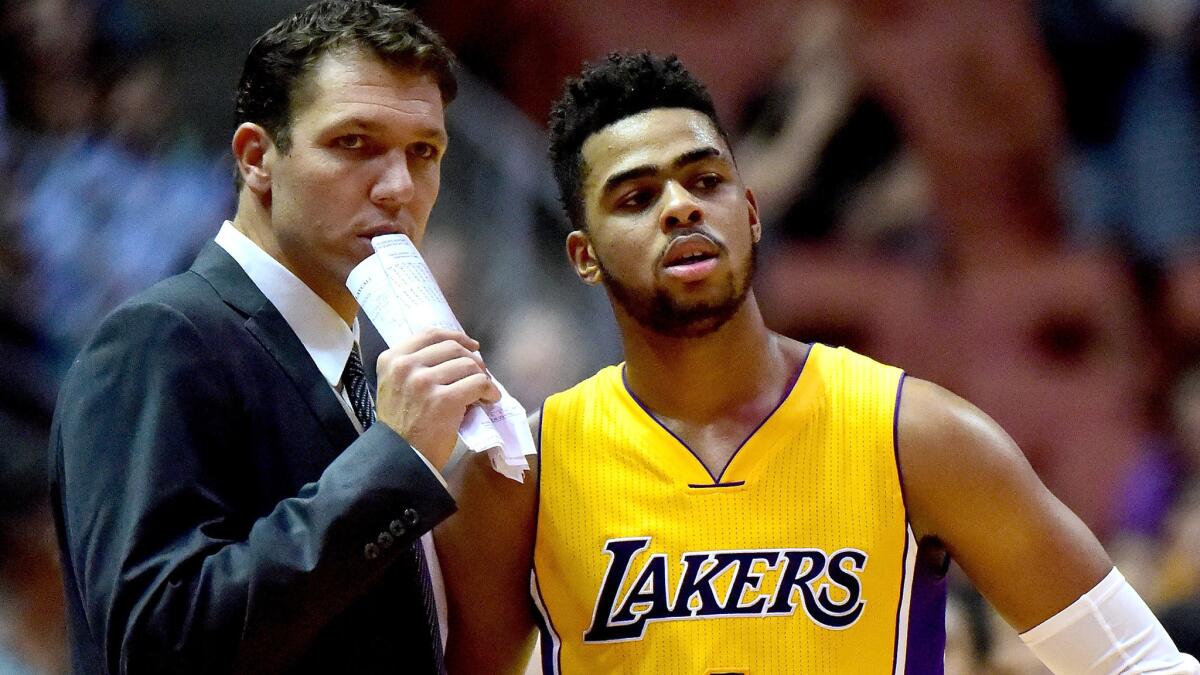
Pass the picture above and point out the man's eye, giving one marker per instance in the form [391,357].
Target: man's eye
[424,151]
[708,181]
[351,142]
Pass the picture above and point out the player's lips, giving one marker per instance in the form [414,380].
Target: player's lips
[691,257]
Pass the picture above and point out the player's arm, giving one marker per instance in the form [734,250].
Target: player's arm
[968,486]
[486,554]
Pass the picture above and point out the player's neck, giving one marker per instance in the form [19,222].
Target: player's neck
[698,378]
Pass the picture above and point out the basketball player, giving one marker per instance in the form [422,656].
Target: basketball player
[729,500]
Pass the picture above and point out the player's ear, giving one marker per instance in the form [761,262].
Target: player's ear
[755,223]
[583,257]
[254,152]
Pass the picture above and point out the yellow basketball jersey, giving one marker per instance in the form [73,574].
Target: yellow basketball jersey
[796,559]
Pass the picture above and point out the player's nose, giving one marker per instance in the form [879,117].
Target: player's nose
[680,208]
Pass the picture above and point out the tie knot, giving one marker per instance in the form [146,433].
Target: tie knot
[354,379]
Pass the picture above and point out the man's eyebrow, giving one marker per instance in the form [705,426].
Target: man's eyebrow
[689,157]
[428,133]
[433,134]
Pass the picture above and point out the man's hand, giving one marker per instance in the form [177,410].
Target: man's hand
[426,386]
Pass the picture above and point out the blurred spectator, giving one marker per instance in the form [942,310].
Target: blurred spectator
[48,51]
[824,158]
[102,196]
[1176,580]
[108,214]
[1134,110]
[973,93]
[1170,462]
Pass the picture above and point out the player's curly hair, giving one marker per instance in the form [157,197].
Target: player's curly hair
[280,59]
[609,91]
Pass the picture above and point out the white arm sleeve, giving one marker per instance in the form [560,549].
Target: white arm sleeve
[1108,631]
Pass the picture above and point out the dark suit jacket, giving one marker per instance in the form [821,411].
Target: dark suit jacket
[214,502]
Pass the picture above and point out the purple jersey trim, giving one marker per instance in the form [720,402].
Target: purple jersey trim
[537,506]
[717,479]
[896,442]
[541,612]
[904,555]
[550,660]
[926,622]
[925,648]
[900,603]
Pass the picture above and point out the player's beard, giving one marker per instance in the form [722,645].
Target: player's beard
[664,314]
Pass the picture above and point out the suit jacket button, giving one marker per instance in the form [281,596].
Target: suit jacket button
[385,540]
[371,552]
[397,528]
[410,516]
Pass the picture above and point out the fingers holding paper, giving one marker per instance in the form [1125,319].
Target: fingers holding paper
[426,384]
[398,293]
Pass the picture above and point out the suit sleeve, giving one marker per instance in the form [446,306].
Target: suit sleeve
[173,572]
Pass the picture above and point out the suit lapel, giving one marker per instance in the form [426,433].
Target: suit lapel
[272,331]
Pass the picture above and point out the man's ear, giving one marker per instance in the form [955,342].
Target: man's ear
[755,223]
[254,151]
[583,258]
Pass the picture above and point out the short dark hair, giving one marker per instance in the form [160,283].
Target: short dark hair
[281,57]
[609,91]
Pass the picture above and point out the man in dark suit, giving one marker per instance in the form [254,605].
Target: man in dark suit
[225,498]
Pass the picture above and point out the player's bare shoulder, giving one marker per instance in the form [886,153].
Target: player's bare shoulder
[935,421]
[948,449]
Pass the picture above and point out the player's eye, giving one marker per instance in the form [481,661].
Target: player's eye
[708,181]
[635,200]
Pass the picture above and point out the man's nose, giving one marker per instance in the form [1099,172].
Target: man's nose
[680,208]
[394,186]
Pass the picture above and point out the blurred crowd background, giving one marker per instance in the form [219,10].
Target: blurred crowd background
[1003,197]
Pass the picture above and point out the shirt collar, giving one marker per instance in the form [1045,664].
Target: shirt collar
[321,330]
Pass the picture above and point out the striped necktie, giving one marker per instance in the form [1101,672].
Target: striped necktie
[358,389]
[354,379]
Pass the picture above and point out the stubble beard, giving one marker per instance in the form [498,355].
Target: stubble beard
[664,314]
